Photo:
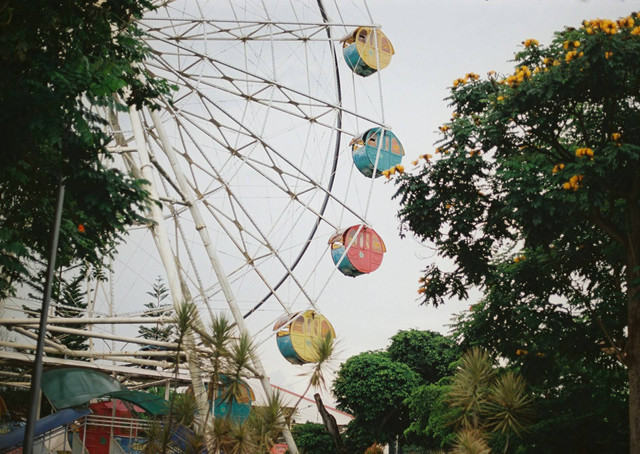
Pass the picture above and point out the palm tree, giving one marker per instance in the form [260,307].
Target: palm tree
[470,387]
[470,441]
[508,408]
[325,352]
[267,422]
[487,402]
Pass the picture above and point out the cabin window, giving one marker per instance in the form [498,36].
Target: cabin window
[386,143]
[362,36]
[376,245]
[243,396]
[385,46]
[395,146]
[348,238]
[325,329]
[372,140]
[298,325]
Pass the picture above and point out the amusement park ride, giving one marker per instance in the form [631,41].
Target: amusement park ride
[257,208]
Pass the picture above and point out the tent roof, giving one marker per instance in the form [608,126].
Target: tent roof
[72,387]
[155,405]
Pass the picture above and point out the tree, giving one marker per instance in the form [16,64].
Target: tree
[159,292]
[373,388]
[581,394]
[426,352]
[535,189]
[69,301]
[312,438]
[60,60]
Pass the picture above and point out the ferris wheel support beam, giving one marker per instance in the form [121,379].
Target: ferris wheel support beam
[161,239]
[213,258]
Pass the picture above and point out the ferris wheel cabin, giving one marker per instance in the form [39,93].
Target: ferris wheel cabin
[299,334]
[356,255]
[236,406]
[367,50]
[365,148]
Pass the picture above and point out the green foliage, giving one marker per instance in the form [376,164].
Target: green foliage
[426,352]
[534,198]
[430,416]
[312,438]
[469,441]
[155,308]
[373,388]
[470,388]
[68,300]
[60,60]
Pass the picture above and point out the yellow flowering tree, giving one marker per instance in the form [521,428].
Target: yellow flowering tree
[534,196]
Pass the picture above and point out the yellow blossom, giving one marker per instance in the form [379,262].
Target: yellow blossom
[608,54]
[616,136]
[444,128]
[459,82]
[584,152]
[521,352]
[635,31]
[573,183]
[500,98]
[531,42]
[400,168]
[576,44]
[415,163]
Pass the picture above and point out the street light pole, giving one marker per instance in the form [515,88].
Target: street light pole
[36,375]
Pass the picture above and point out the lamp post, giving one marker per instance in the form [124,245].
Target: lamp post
[36,375]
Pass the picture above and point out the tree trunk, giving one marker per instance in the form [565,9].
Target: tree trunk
[632,349]
[330,423]
[633,364]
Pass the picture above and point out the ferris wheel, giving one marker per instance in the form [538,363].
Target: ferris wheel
[263,163]
[253,158]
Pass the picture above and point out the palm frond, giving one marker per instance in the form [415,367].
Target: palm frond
[469,441]
[508,406]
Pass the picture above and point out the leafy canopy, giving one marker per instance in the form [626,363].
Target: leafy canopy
[536,174]
[533,196]
[60,60]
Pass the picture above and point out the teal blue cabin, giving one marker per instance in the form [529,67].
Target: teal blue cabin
[341,260]
[367,50]
[235,407]
[365,148]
